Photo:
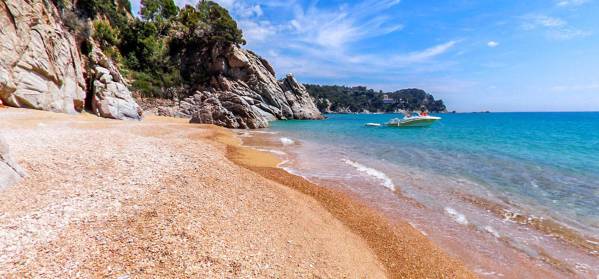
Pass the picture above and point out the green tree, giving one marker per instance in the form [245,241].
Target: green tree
[223,27]
[105,34]
[158,10]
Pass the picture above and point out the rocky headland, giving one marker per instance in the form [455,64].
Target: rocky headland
[46,65]
[244,93]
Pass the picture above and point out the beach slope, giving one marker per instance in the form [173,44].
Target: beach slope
[164,198]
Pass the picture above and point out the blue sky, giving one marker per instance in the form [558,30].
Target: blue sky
[499,55]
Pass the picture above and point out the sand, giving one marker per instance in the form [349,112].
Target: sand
[163,198]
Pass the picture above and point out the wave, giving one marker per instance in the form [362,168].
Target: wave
[265,132]
[277,152]
[385,180]
[458,217]
[492,231]
[287,141]
[281,164]
[418,229]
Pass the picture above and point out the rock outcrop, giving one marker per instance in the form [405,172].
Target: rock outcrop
[10,172]
[226,108]
[111,98]
[244,93]
[40,65]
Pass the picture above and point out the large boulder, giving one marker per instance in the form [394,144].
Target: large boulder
[10,172]
[299,100]
[40,65]
[110,96]
[225,108]
[243,92]
[112,99]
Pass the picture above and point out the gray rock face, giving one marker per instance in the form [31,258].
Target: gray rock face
[225,108]
[298,98]
[111,98]
[10,172]
[245,93]
[40,65]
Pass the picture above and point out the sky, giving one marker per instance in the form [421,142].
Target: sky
[497,55]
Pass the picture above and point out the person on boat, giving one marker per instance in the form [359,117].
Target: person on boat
[423,111]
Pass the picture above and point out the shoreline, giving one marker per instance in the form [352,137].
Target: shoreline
[404,251]
[160,198]
[453,241]
[410,256]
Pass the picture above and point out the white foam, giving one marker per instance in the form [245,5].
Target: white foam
[458,217]
[280,165]
[385,180]
[277,152]
[484,272]
[492,231]
[293,171]
[286,141]
[418,229]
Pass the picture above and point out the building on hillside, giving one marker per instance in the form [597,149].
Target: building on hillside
[387,100]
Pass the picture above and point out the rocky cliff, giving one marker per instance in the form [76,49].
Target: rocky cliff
[41,66]
[243,92]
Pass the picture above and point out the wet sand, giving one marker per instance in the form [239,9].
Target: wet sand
[163,198]
[405,252]
[490,254]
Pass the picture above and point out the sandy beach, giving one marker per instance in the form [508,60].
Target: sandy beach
[164,198]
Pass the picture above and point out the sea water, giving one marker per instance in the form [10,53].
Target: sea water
[528,179]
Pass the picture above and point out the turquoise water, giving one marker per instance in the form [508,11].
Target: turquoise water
[547,162]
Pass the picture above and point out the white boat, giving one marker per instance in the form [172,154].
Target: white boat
[413,121]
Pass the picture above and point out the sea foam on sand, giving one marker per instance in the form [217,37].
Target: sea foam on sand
[286,141]
[277,152]
[458,217]
[385,180]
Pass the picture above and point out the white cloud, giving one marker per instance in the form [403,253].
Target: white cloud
[427,54]
[571,3]
[335,28]
[568,34]
[257,31]
[536,21]
[555,28]
[492,44]
[569,88]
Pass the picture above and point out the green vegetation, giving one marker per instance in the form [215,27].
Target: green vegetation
[161,52]
[357,99]
[115,11]
[165,53]
[105,35]
[158,10]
